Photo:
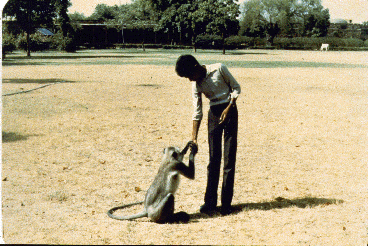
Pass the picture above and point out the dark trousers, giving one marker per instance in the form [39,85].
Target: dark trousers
[215,131]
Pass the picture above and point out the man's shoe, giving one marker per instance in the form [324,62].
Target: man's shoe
[205,209]
[226,210]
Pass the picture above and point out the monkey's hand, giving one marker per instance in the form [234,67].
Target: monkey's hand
[184,151]
[193,148]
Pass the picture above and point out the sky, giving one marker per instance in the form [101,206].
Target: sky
[355,10]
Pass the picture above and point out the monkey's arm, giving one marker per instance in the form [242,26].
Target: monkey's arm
[189,144]
[188,171]
[184,151]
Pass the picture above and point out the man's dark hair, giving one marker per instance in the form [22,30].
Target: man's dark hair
[185,65]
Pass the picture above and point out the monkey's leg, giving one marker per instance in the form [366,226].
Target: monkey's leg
[163,211]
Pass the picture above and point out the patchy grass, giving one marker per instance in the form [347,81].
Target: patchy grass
[59,196]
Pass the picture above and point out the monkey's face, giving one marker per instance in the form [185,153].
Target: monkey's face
[173,152]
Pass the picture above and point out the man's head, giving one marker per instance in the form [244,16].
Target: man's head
[188,67]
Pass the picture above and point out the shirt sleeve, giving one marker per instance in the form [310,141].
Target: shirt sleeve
[197,103]
[231,81]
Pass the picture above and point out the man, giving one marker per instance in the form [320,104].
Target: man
[219,86]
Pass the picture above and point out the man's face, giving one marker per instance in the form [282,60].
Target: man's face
[196,76]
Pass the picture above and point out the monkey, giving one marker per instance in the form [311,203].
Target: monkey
[159,199]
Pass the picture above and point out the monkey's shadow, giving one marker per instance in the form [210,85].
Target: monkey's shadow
[278,203]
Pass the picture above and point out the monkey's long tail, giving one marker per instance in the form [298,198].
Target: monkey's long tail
[128,217]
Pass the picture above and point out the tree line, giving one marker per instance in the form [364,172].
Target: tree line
[184,20]
[188,19]
[29,15]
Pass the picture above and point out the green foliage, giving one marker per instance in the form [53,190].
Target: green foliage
[36,13]
[162,5]
[236,42]
[8,43]
[300,43]
[217,17]
[37,42]
[267,18]
[285,17]
[60,42]
[314,18]
[152,46]
[41,43]
[313,43]
[186,18]
[208,41]
[137,15]
[252,20]
[42,12]
[241,42]
[103,12]
[177,18]
[76,16]
[65,38]
[352,42]
[61,8]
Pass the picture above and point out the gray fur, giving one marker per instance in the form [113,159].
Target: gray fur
[159,200]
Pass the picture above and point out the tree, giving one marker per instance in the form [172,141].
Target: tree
[66,29]
[30,14]
[137,15]
[267,18]
[314,18]
[42,12]
[76,16]
[191,18]
[252,21]
[176,21]
[282,17]
[103,12]
[174,17]
[162,5]
[217,17]
[8,41]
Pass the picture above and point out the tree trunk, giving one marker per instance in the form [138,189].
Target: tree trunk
[223,44]
[143,41]
[194,44]
[28,29]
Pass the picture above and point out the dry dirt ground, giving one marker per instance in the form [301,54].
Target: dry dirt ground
[73,150]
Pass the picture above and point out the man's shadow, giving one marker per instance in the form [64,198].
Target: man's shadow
[278,203]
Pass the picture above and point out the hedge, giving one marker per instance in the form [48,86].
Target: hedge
[301,43]
[37,42]
[40,43]
[8,43]
[151,46]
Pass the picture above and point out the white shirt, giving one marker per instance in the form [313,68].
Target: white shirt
[219,86]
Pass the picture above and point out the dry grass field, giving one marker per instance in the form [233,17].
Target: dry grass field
[73,150]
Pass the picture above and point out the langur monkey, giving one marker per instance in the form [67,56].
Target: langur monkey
[159,199]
